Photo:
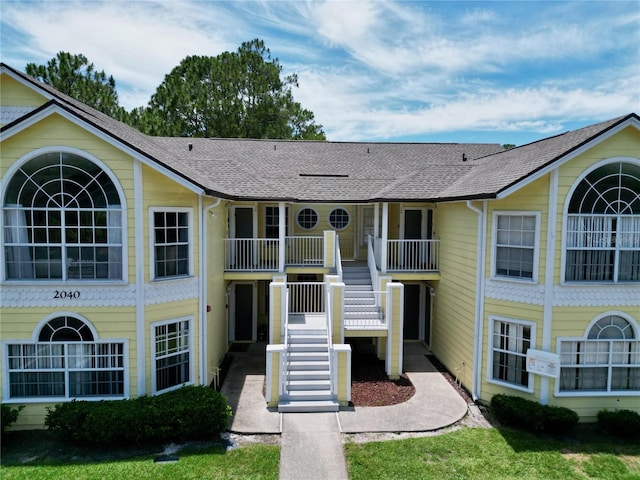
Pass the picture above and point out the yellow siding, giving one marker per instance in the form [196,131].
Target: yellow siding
[454,304]
[15,94]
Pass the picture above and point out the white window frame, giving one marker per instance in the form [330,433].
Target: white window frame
[565,223]
[535,248]
[348,218]
[121,241]
[67,365]
[265,225]
[154,353]
[492,325]
[298,219]
[152,242]
[608,365]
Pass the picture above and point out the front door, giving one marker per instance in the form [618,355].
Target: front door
[243,229]
[411,311]
[243,312]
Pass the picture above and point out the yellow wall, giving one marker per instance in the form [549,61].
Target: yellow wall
[453,316]
[15,94]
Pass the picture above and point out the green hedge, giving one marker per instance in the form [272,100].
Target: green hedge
[192,412]
[621,423]
[532,416]
[9,416]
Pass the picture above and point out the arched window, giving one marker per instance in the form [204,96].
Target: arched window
[606,359]
[62,221]
[67,362]
[603,226]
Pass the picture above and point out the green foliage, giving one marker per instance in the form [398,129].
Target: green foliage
[9,415]
[532,416]
[233,95]
[622,423]
[76,77]
[191,412]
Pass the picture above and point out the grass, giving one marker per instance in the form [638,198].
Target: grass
[24,460]
[480,453]
[467,453]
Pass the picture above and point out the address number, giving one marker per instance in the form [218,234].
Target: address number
[66,294]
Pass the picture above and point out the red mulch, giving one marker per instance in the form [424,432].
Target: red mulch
[370,386]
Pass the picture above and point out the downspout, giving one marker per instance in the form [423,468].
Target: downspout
[203,287]
[479,309]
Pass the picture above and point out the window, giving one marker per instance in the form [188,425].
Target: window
[516,245]
[602,228]
[62,221]
[172,245]
[510,340]
[272,222]
[66,362]
[339,218]
[172,354]
[606,360]
[307,218]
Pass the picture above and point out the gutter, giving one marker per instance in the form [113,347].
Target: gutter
[479,307]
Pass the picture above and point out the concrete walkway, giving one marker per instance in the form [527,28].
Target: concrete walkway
[311,443]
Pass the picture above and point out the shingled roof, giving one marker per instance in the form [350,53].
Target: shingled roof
[322,171]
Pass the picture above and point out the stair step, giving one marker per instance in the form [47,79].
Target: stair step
[307,339]
[300,375]
[358,288]
[289,406]
[309,365]
[320,394]
[297,385]
[308,356]
[309,347]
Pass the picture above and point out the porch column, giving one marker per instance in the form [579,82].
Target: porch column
[383,240]
[282,232]
[395,315]
[376,219]
[335,290]
[277,310]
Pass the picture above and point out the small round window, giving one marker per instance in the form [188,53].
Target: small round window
[339,218]
[307,218]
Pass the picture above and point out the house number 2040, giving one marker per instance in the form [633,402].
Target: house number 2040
[66,294]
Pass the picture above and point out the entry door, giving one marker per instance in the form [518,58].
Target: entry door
[411,254]
[412,311]
[243,222]
[243,312]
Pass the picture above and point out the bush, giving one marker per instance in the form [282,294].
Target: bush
[9,416]
[622,423]
[186,413]
[532,416]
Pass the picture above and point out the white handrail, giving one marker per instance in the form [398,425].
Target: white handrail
[338,260]
[371,262]
[329,317]
[285,352]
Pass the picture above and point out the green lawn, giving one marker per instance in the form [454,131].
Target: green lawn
[478,453]
[256,462]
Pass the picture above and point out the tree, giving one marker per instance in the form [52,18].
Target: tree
[508,146]
[233,95]
[75,76]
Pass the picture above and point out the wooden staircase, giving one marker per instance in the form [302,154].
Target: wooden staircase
[307,372]
[360,304]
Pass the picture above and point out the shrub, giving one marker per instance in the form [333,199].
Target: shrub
[186,413]
[9,416]
[622,423]
[532,416]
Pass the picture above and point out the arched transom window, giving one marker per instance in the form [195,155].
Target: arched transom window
[603,226]
[66,362]
[62,221]
[606,359]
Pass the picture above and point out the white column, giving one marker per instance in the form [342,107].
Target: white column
[376,219]
[282,231]
[385,234]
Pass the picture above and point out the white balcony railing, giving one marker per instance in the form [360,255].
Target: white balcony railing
[412,255]
[251,254]
[306,297]
[304,250]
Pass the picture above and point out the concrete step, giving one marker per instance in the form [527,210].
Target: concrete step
[296,385]
[289,406]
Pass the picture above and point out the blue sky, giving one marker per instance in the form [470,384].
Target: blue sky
[506,72]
